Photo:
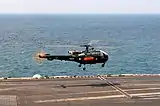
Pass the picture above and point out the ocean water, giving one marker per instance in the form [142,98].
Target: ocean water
[132,42]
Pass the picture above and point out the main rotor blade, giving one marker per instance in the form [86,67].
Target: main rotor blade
[65,46]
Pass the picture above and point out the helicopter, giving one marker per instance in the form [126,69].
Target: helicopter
[88,56]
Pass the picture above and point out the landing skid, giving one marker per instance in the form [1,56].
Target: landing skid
[103,64]
[80,65]
[84,68]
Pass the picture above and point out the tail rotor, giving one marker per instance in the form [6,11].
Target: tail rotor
[37,56]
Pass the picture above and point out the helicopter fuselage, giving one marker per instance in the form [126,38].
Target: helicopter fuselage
[88,56]
[80,57]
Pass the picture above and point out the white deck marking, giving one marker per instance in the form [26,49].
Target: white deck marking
[8,100]
[6,89]
[145,84]
[111,91]
[94,98]
[150,98]
[115,87]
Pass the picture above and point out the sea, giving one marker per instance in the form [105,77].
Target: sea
[132,42]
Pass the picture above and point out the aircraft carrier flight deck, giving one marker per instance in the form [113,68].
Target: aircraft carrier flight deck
[100,90]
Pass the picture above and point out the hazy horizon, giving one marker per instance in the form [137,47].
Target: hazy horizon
[79,7]
[79,13]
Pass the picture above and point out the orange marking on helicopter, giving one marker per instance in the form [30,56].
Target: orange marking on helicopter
[41,55]
[89,59]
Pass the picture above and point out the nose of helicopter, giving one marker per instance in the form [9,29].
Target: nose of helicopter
[106,57]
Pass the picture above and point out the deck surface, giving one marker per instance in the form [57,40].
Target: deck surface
[145,91]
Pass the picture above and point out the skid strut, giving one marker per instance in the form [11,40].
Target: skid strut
[115,87]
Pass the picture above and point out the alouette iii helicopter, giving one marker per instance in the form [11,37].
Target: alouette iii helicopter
[88,56]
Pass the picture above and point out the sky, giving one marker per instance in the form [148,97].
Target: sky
[79,6]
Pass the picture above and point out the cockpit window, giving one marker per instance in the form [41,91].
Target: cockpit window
[98,53]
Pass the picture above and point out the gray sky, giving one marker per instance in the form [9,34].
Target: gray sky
[80,6]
